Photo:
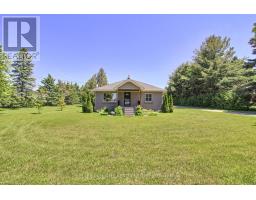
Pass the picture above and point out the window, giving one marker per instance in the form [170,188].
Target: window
[110,97]
[148,97]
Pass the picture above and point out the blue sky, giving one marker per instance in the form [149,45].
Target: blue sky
[147,47]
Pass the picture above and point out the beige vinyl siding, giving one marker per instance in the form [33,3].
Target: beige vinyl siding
[100,103]
[156,102]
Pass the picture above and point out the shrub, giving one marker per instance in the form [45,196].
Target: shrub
[147,111]
[139,111]
[61,102]
[87,106]
[119,111]
[103,111]
[38,101]
[112,113]
[170,103]
[165,106]
[152,114]
[39,106]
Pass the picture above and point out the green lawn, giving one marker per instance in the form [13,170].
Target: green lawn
[187,147]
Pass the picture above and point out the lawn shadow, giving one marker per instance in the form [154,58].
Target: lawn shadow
[35,113]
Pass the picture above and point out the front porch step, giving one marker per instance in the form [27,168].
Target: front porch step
[129,111]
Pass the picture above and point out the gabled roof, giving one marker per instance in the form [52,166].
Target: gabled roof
[113,87]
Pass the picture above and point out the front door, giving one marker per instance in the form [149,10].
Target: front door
[127,99]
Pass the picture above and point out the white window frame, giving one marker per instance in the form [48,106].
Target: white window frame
[111,101]
[146,101]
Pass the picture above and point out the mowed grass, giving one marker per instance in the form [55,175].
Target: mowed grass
[69,147]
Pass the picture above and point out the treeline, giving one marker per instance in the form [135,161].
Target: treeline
[17,85]
[216,77]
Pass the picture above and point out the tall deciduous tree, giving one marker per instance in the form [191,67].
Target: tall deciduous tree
[22,76]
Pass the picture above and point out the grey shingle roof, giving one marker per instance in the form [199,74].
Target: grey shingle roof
[114,86]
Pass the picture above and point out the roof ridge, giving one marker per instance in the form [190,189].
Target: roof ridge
[143,86]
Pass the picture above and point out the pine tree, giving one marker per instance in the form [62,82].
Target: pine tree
[87,106]
[170,103]
[91,83]
[166,104]
[50,89]
[102,78]
[22,76]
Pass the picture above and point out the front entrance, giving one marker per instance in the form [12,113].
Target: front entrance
[127,99]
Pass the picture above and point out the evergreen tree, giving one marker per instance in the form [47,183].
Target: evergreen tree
[248,90]
[50,90]
[102,78]
[212,79]
[70,91]
[170,103]
[13,101]
[91,83]
[61,88]
[22,76]
[84,101]
[77,91]
[87,106]
[166,104]
[89,86]
[71,94]
[5,86]
[252,62]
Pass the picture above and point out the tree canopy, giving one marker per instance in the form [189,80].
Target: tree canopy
[213,78]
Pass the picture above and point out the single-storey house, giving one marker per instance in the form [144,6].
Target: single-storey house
[128,93]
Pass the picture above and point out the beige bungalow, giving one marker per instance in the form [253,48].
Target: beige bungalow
[128,93]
